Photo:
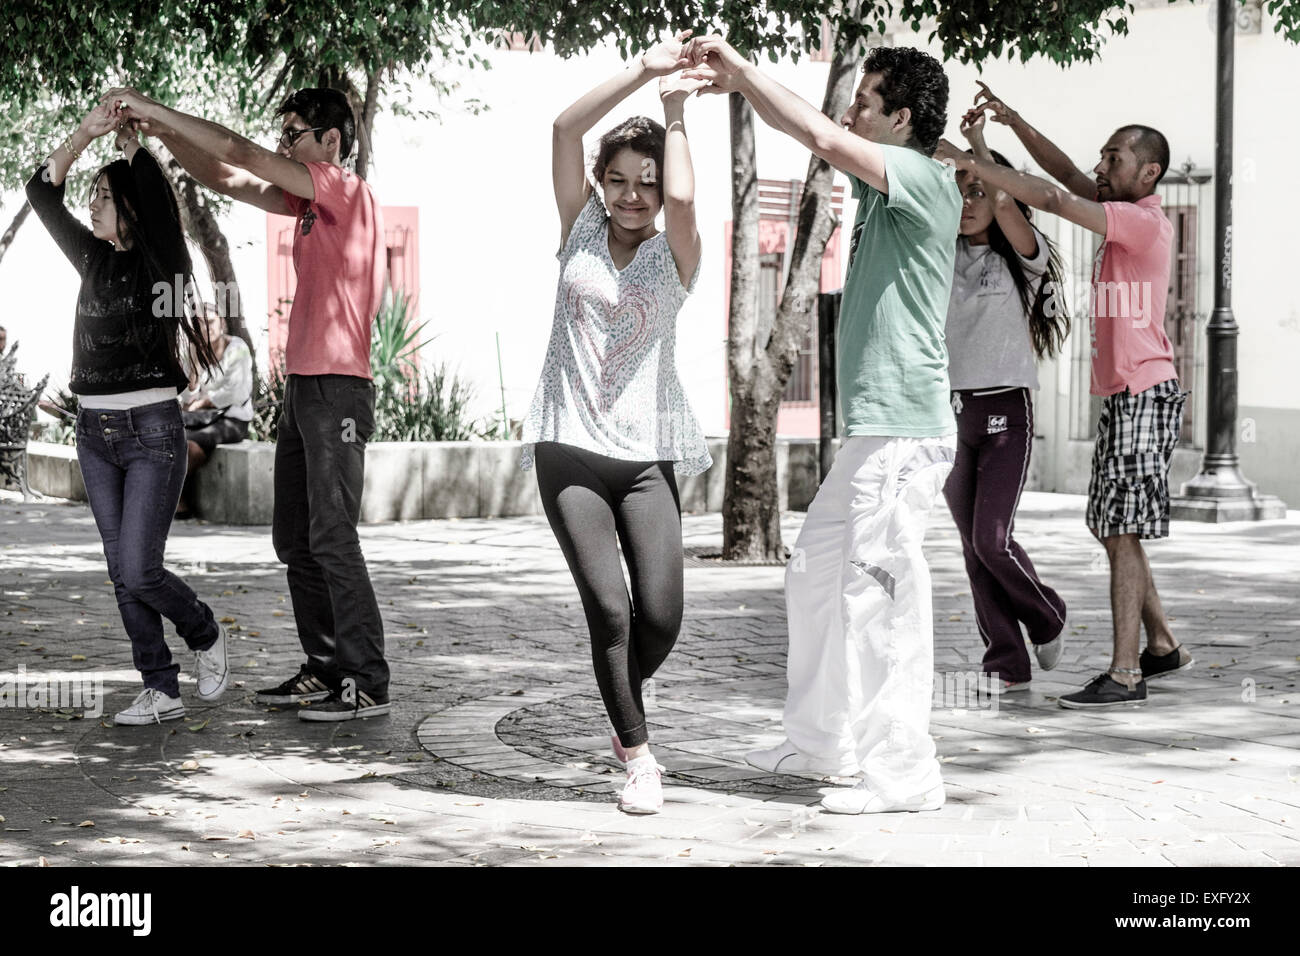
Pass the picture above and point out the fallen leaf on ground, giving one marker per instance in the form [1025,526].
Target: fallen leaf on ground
[195,728]
[77,657]
[190,765]
[86,823]
[222,856]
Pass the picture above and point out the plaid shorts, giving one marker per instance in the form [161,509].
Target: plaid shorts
[1136,434]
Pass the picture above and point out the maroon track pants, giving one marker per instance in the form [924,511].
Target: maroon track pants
[994,441]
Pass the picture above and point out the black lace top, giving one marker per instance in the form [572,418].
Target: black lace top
[118,343]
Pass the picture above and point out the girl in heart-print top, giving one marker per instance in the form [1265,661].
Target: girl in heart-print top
[609,428]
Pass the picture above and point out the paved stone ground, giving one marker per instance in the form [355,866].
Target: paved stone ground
[496,751]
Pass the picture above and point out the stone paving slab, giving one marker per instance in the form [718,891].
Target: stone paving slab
[497,750]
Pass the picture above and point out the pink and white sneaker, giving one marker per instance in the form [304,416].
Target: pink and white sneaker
[643,792]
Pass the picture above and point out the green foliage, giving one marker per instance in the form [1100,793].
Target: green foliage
[268,400]
[61,431]
[394,340]
[429,406]
[1286,15]
[411,405]
[972,31]
[227,60]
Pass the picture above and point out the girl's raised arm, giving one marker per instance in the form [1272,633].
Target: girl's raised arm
[568,165]
[678,176]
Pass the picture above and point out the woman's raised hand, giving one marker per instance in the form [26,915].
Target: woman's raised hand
[678,87]
[667,56]
[129,104]
[993,104]
[972,125]
[99,121]
[716,62]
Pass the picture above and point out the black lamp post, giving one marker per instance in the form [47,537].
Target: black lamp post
[1220,492]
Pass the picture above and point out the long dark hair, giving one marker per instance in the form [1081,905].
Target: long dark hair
[1042,300]
[163,257]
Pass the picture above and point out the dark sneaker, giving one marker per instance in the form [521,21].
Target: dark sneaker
[303,688]
[1157,665]
[1105,691]
[348,704]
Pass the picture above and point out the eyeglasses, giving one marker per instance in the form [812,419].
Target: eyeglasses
[290,136]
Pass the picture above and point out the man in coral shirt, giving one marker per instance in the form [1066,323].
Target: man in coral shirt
[329,399]
[1132,368]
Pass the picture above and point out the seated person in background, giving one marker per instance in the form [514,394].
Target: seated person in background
[218,405]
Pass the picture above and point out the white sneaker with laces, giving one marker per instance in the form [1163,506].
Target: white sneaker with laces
[787,758]
[213,667]
[150,707]
[643,792]
[860,799]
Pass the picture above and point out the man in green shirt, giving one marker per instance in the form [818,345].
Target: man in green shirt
[861,656]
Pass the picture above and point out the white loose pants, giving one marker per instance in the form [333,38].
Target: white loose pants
[857,593]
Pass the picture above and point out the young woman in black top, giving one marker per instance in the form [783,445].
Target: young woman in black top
[126,367]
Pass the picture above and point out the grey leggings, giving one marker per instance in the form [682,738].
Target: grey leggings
[594,503]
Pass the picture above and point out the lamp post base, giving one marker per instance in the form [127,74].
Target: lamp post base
[1219,510]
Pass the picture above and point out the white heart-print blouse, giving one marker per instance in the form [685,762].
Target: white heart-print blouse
[609,384]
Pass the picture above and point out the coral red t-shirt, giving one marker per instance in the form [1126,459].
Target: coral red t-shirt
[1130,283]
[339,256]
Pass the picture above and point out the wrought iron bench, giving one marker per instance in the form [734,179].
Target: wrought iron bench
[16,404]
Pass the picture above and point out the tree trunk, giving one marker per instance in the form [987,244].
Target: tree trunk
[750,518]
[8,238]
[201,225]
[366,124]
[759,371]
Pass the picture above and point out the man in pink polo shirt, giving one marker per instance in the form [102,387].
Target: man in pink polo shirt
[329,399]
[1132,367]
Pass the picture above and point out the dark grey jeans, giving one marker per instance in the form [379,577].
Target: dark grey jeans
[320,458]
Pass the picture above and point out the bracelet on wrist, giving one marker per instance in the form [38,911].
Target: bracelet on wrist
[67,144]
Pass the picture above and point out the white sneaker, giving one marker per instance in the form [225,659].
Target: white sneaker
[787,758]
[859,799]
[151,707]
[1050,653]
[643,792]
[213,667]
[999,687]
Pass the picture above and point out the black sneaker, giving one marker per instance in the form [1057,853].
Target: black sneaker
[303,688]
[1105,691]
[348,704]
[1157,665]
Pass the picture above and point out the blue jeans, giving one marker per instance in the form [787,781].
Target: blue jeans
[133,465]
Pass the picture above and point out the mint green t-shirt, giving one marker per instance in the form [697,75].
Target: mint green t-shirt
[893,364]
